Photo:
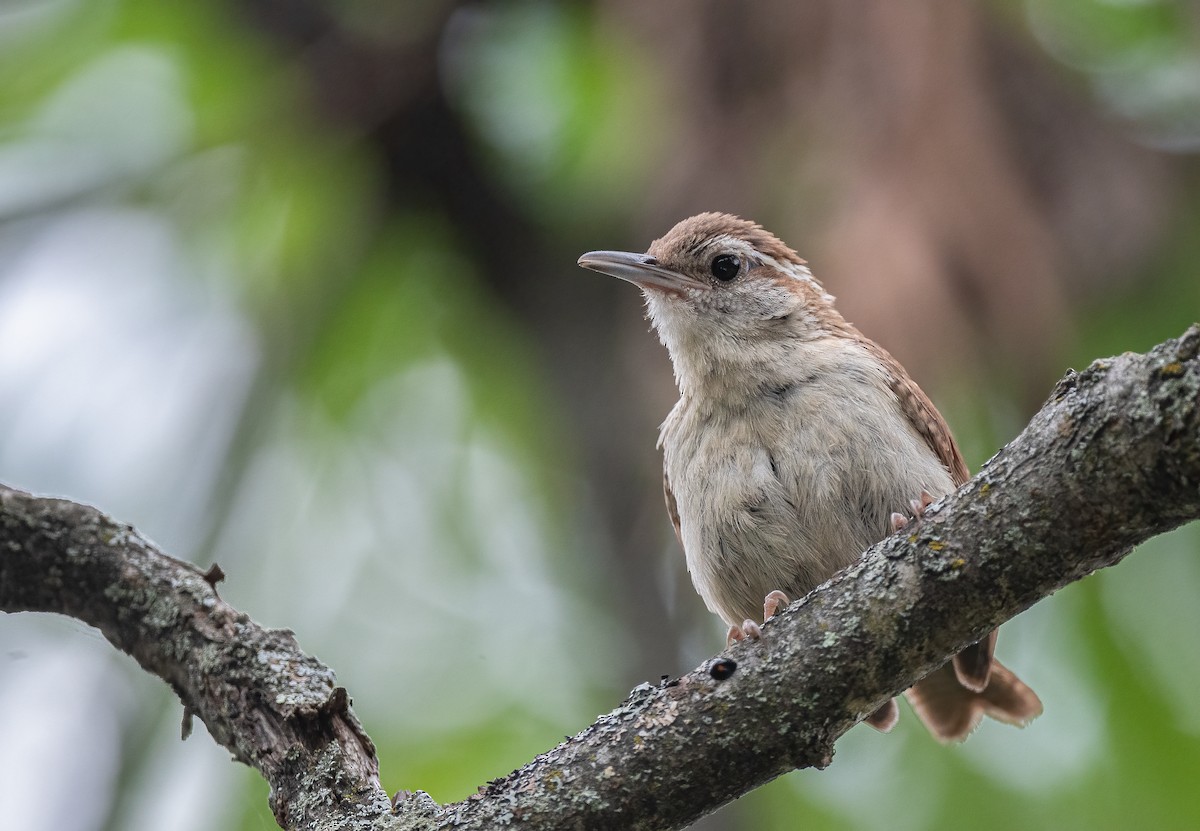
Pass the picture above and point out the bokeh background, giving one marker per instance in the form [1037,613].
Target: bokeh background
[291,286]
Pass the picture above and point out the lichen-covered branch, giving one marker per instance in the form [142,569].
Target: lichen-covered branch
[274,707]
[1111,460]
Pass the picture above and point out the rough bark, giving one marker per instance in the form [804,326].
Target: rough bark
[1112,459]
[274,707]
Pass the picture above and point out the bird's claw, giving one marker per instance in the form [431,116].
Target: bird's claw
[749,630]
[773,602]
[918,506]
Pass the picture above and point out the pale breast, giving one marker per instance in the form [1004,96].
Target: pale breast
[793,481]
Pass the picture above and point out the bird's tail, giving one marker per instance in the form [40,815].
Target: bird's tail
[948,705]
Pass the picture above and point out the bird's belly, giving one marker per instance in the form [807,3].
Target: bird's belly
[758,514]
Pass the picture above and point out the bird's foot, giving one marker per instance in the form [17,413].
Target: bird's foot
[749,630]
[919,505]
[773,602]
[918,508]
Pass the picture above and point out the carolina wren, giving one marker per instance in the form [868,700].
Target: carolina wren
[795,444]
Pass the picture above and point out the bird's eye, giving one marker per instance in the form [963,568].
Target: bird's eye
[725,267]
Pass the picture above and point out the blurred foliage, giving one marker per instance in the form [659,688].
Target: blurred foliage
[1141,57]
[234,315]
[560,104]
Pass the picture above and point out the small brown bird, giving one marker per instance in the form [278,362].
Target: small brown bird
[795,444]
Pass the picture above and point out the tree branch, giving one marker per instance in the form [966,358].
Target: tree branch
[1112,459]
[275,708]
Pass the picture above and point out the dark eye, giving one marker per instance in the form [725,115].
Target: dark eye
[725,267]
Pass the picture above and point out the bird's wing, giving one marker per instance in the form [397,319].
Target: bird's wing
[923,416]
[672,507]
[973,666]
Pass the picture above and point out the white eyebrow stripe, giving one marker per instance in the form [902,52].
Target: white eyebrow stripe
[745,249]
[796,272]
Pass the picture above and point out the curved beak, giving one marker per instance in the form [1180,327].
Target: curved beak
[640,269]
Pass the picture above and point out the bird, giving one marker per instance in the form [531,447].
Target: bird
[796,444]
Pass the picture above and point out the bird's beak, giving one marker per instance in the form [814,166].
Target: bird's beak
[640,269]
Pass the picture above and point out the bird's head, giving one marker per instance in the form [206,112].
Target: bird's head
[722,292]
